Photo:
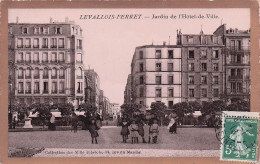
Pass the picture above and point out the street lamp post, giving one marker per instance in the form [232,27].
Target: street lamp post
[10,115]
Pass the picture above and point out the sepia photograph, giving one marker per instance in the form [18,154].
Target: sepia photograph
[132,82]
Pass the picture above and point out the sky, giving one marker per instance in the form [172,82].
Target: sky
[109,44]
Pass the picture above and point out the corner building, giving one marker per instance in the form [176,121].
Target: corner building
[46,63]
[156,75]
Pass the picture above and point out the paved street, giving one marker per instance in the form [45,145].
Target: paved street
[109,137]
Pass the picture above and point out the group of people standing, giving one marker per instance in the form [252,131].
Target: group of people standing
[135,128]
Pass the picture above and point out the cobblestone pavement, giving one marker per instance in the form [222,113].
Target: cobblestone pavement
[110,138]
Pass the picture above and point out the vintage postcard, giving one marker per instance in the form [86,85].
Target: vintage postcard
[131,82]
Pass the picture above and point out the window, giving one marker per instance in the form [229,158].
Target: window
[170,54]
[20,57]
[28,57]
[28,72]
[141,79]
[25,30]
[20,87]
[61,87]
[233,72]
[204,92]
[36,87]
[170,92]
[58,30]
[20,73]
[44,42]
[36,57]
[54,87]
[170,80]
[170,104]
[79,44]
[54,57]
[203,40]
[45,57]
[53,42]
[215,92]
[28,87]
[61,73]
[215,80]
[158,67]
[170,66]
[79,58]
[61,42]
[215,54]
[215,66]
[203,79]
[236,87]
[190,39]
[204,66]
[36,43]
[45,30]
[141,54]
[45,73]
[239,72]
[158,92]
[79,88]
[215,40]
[191,54]
[61,57]
[45,87]
[54,73]
[239,58]
[158,80]
[158,54]
[20,43]
[239,44]
[28,43]
[79,73]
[203,54]
[141,92]
[191,79]
[36,73]
[37,30]
[191,66]
[191,92]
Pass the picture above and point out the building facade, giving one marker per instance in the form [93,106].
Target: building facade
[128,91]
[156,75]
[46,62]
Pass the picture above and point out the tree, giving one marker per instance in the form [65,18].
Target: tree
[21,109]
[129,109]
[158,109]
[65,109]
[88,108]
[240,105]
[43,111]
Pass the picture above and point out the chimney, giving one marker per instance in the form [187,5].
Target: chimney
[51,20]
[164,43]
[17,19]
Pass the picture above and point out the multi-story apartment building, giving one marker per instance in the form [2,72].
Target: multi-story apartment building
[128,91]
[92,83]
[202,66]
[237,62]
[116,110]
[156,75]
[46,62]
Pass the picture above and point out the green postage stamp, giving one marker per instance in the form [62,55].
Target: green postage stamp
[239,136]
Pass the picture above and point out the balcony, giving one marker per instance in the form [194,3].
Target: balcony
[79,62]
[28,46]
[20,46]
[20,92]
[79,77]
[36,91]
[61,91]
[54,91]
[54,61]
[53,46]
[45,92]
[61,46]
[28,77]
[44,46]
[20,61]
[28,92]
[158,69]
[45,76]
[36,46]
[62,77]
[79,91]
[20,77]
[45,61]
[79,47]
[61,61]
[239,48]
[53,77]
[238,77]
[36,61]
[28,61]
[36,76]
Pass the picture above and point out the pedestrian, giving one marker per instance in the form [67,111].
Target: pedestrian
[52,123]
[74,122]
[125,131]
[172,126]
[141,129]
[154,131]
[134,132]
[14,122]
[93,128]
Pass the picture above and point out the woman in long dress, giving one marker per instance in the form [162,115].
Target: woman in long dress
[172,126]
[125,131]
